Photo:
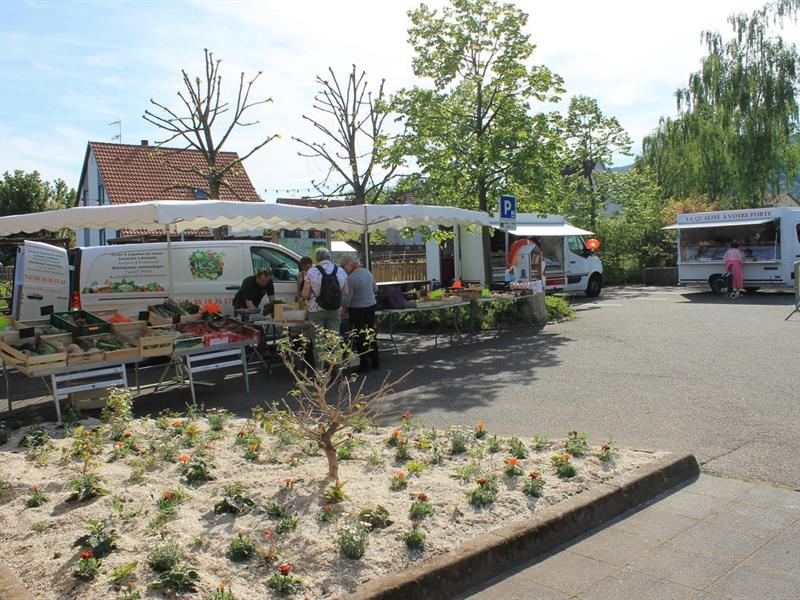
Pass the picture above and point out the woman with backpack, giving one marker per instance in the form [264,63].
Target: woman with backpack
[325,285]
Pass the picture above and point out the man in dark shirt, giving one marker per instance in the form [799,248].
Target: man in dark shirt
[253,290]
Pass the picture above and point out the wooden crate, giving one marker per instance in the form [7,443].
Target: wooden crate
[112,355]
[31,365]
[150,342]
[84,358]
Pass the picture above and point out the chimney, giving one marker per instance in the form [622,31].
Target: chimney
[145,143]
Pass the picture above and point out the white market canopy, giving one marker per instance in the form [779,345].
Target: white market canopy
[180,215]
[368,217]
[549,230]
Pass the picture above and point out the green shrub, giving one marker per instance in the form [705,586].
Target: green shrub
[353,540]
[164,556]
[376,518]
[558,309]
[414,538]
[241,549]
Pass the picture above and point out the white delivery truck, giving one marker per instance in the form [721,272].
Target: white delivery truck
[131,277]
[769,238]
[569,265]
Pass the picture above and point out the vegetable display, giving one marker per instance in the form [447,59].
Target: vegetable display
[123,286]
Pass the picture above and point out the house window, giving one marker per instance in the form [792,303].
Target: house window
[101,195]
[102,237]
[199,194]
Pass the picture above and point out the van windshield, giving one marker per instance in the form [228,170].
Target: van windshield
[709,244]
[283,266]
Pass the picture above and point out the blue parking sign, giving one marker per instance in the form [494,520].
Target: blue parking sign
[508,208]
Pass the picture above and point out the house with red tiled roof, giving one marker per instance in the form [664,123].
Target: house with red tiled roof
[124,173]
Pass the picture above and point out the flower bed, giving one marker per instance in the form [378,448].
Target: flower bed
[232,509]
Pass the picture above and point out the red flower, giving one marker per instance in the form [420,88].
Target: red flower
[480,426]
[240,434]
[533,474]
[422,496]
[407,415]
[481,481]
[284,569]
[288,482]
[87,554]
[128,434]
[119,443]
[327,508]
[183,458]
[574,433]
[402,442]
[512,461]
[606,447]
[169,496]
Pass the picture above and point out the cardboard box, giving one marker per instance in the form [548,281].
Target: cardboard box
[288,306]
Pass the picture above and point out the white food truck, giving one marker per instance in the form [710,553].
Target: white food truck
[131,277]
[769,238]
[569,265]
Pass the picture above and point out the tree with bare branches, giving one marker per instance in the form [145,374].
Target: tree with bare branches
[193,124]
[325,400]
[362,157]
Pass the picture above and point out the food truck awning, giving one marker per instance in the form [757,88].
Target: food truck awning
[707,224]
[549,230]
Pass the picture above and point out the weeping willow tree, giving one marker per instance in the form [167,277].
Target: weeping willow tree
[732,140]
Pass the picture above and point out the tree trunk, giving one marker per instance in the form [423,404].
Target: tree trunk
[486,231]
[330,454]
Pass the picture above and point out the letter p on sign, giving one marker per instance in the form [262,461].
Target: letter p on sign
[508,207]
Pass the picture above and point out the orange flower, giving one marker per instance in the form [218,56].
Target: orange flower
[574,433]
[400,475]
[480,426]
[128,434]
[422,496]
[396,434]
[169,496]
[407,415]
[606,448]
[253,447]
[566,456]
[288,482]
[512,461]
[402,442]
[533,474]
[119,443]
[221,587]
[177,423]
[183,458]
[284,569]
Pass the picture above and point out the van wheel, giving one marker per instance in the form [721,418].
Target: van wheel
[751,290]
[594,286]
[716,284]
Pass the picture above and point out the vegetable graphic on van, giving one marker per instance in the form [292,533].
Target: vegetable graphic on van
[123,286]
[205,264]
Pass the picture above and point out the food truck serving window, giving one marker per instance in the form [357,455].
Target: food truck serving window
[759,242]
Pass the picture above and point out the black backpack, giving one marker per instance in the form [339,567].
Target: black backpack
[330,293]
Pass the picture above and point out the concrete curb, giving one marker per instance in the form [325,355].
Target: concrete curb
[493,553]
[10,586]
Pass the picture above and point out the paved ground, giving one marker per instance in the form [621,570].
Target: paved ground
[651,368]
[715,539]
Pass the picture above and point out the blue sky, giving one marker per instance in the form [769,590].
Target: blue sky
[71,68]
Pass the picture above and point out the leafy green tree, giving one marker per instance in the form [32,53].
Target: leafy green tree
[591,138]
[472,133]
[732,139]
[22,193]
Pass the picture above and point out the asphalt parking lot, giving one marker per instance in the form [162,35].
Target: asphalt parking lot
[650,368]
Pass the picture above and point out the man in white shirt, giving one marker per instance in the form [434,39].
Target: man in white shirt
[325,285]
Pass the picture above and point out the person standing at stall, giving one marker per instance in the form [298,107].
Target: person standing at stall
[360,303]
[733,263]
[325,286]
[305,264]
[253,290]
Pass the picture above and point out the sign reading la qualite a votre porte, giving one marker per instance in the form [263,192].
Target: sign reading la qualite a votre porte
[727,215]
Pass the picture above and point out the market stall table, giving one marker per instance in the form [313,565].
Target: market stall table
[391,312]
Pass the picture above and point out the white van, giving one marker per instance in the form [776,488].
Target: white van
[768,237]
[131,277]
[569,265]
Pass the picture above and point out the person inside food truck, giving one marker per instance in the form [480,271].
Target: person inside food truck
[253,290]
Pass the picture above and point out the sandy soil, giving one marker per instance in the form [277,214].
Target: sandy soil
[37,542]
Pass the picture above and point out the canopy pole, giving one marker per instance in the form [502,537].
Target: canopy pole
[169,262]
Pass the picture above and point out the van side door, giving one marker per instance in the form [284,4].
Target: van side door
[284,267]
